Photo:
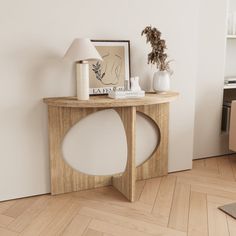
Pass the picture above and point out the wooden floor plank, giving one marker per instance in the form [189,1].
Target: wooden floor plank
[198,224]
[5,220]
[205,172]
[114,229]
[150,191]
[213,191]
[139,189]
[46,216]
[180,204]
[198,164]
[19,207]
[180,207]
[111,196]
[231,225]
[129,223]
[120,211]
[117,230]
[77,226]
[5,232]
[6,204]
[92,232]
[212,164]
[219,200]
[217,183]
[162,205]
[61,219]
[232,160]
[21,222]
[225,169]
[217,221]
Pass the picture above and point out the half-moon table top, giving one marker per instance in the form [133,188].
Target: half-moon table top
[105,101]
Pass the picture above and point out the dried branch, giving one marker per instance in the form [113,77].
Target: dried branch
[157,56]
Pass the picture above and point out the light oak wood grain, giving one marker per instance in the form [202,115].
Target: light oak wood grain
[217,220]
[128,222]
[55,206]
[162,206]
[63,113]
[157,164]
[5,220]
[180,207]
[213,191]
[232,160]
[6,232]
[150,190]
[231,225]
[125,183]
[199,164]
[77,226]
[214,182]
[30,213]
[63,177]
[17,209]
[61,219]
[115,230]
[121,211]
[106,212]
[105,102]
[110,195]
[5,205]
[198,215]
[139,189]
[225,169]
[211,163]
[92,232]
[138,230]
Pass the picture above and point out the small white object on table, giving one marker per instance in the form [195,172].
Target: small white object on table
[135,91]
[126,94]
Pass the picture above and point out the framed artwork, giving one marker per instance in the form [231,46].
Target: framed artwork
[113,73]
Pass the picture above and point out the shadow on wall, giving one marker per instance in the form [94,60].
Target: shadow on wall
[37,72]
[42,72]
[53,76]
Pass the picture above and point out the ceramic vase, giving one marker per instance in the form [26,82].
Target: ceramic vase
[161,81]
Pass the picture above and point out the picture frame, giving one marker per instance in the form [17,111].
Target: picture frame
[113,73]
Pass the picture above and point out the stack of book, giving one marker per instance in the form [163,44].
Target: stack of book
[126,94]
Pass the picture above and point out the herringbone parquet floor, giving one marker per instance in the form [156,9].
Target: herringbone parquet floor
[179,204]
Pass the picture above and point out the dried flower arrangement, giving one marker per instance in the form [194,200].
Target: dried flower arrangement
[157,56]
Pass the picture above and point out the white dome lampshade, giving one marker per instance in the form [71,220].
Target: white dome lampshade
[82,51]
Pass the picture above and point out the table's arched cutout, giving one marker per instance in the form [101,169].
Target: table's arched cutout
[103,132]
[146,128]
[96,145]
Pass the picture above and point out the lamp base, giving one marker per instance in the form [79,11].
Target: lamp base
[82,76]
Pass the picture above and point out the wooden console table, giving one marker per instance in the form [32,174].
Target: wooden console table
[64,112]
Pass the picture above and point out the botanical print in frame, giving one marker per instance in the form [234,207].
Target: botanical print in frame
[114,71]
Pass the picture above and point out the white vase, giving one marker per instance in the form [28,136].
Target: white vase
[161,81]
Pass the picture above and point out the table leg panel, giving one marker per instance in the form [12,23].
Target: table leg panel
[125,182]
[63,177]
[157,164]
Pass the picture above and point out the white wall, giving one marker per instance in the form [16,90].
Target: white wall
[208,140]
[230,62]
[34,37]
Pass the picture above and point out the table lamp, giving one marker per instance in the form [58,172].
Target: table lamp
[81,51]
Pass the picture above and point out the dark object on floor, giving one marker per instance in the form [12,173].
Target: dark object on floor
[229,209]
